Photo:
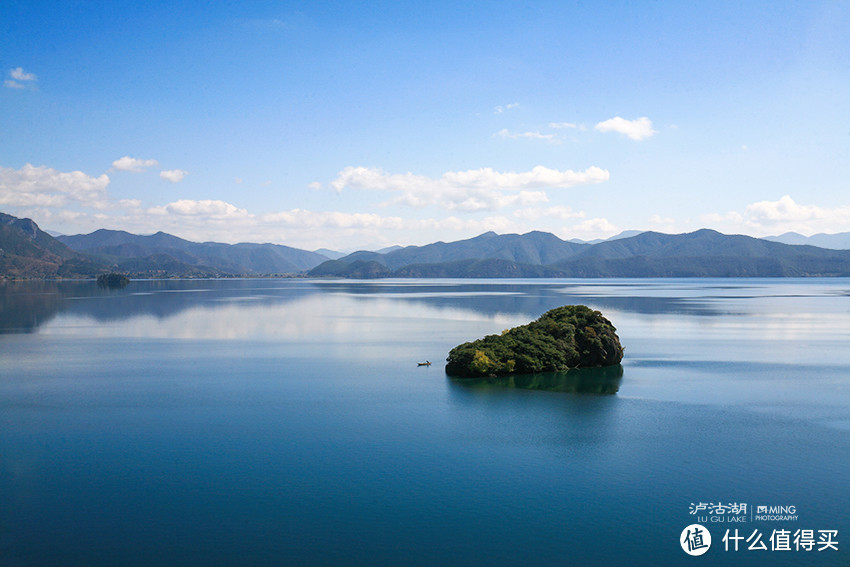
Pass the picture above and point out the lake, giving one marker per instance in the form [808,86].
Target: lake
[286,422]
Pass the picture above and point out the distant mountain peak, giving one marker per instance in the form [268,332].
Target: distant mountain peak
[706,231]
[836,241]
[626,234]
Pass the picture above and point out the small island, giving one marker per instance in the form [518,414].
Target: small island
[112,280]
[572,336]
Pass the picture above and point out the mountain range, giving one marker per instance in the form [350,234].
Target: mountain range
[839,241]
[146,254]
[704,253]
[27,251]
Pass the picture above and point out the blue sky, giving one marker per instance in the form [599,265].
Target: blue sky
[352,125]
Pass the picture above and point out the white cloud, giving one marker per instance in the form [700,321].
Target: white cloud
[472,190]
[20,79]
[783,210]
[315,185]
[663,224]
[207,208]
[638,129]
[133,165]
[559,212]
[783,215]
[216,220]
[538,177]
[658,219]
[508,135]
[46,187]
[20,75]
[562,125]
[196,214]
[731,216]
[500,109]
[173,175]
[595,228]
[303,219]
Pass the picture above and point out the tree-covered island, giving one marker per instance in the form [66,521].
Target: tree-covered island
[572,336]
[112,280]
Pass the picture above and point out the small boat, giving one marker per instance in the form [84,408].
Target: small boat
[426,363]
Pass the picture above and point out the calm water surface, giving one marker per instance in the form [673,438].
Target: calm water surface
[285,422]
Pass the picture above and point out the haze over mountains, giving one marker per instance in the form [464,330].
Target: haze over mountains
[839,241]
[27,251]
[130,252]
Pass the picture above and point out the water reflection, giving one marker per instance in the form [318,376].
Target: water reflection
[602,381]
[26,306]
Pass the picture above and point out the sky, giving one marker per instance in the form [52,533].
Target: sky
[350,125]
